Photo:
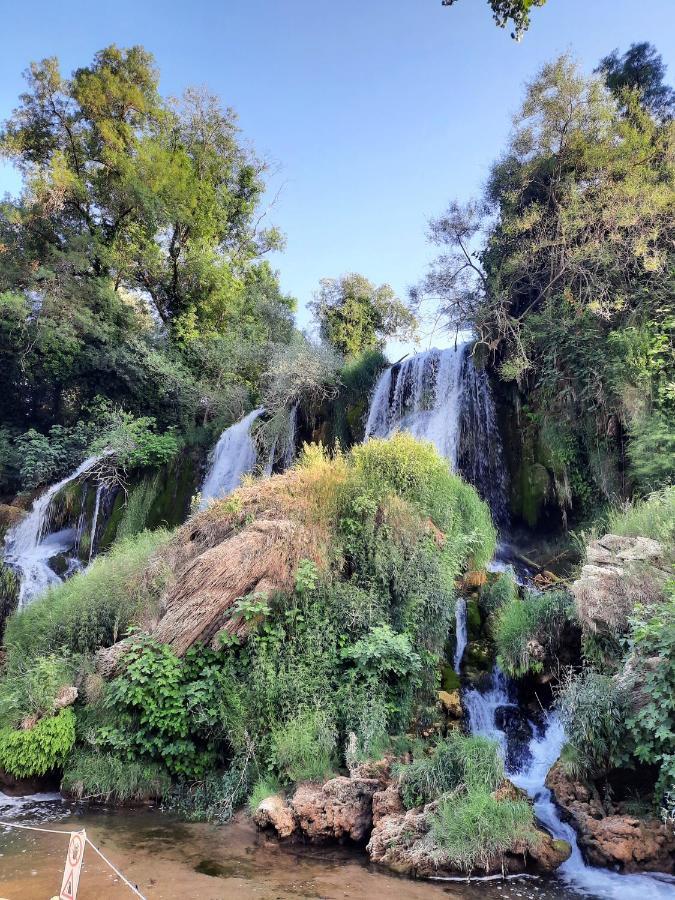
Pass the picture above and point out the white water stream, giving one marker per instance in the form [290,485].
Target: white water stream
[461,636]
[530,775]
[29,546]
[422,396]
[234,456]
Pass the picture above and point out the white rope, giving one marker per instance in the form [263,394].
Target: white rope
[91,844]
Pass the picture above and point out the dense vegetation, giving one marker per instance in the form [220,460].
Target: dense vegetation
[564,269]
[355,649]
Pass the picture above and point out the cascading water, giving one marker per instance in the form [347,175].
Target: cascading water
[234,455]
[460,633]
[528,771]
[421,395]
[440,396]
[30,546]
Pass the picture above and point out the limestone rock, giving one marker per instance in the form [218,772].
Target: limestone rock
[628,843]
[274,812]
[620,571]
[451,703]
[339,809]
[387,803]
[65,697]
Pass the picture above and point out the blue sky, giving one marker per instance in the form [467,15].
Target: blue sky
[375,112]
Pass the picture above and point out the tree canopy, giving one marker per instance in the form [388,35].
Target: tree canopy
[354,315]
[505,11]
[641,70]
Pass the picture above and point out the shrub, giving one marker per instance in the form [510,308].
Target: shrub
[498,592]
[102,776]
[592,709]
[30,686]
[473,829]
[457,762]
[94,608]
[137,507]
[214,798]
[528,630]
[38,750]
[303,748]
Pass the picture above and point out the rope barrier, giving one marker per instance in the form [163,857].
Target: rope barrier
[91,844]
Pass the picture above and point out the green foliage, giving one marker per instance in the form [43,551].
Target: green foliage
[303,748]
[137,507]
[527,631]
[89,775]
[651,720]
[505,11]
[474,829]
[652,517]
[262,789]
[593,711]
[355,316]
[30,685]
[457,763]
[640,70]
[38,750]
[499,592]
[155,709]
[215,798]
[382,653]
[94,608]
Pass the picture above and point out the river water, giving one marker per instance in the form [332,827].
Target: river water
[169,859]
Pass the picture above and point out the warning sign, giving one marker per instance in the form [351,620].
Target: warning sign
[71,873]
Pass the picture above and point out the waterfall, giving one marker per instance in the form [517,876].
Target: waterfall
[234,456]
[440,396]
[421,395]
[30,546]
[479,457]
[94,522]
[529,774]
[460,633]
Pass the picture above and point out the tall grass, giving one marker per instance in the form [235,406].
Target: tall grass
[473,830]
[457,762]
[653,517]
[102,776]
[94,608]
[523,627]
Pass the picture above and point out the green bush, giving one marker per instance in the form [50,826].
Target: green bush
[38,750]
[498,592]
[137,507]
[29,687]
[593,711]
[89,775]
[524,629]
[94,608]
[475,829]
[303,748]
[462,762]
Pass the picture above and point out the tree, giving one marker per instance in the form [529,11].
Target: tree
[353,315]
[564,269]
[155,196]
[641,70]
[516,11]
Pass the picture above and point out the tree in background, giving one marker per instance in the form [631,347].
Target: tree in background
[131,266]
[639,70]
[564,268]
[505,11]
[355,316]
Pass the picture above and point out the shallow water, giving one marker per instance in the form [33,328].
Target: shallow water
[170,859]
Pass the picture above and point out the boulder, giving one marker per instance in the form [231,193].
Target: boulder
[451,703]
[387,803]
[620,571]
[624,842]
[274,812]
[65,697]
[340,809]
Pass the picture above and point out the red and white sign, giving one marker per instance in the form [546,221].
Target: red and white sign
[71,873]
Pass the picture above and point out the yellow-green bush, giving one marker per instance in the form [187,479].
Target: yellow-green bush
[25,753]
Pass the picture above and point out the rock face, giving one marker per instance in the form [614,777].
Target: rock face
[619,572]
[626,842]
[339,809]
[370,808]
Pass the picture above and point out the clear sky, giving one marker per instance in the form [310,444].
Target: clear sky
[376,112]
